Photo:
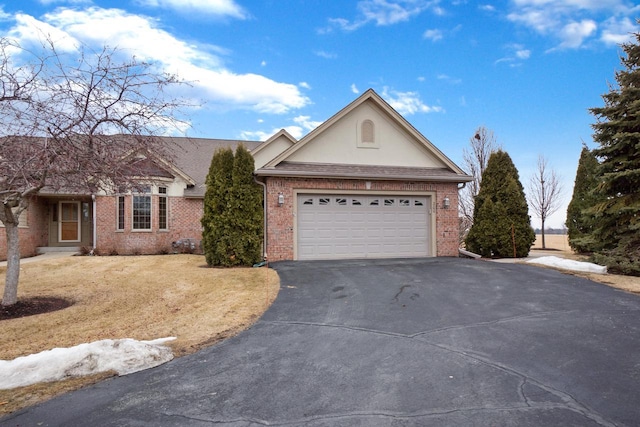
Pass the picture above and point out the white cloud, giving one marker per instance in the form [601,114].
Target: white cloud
[140,36]
[211,7]
[302,126]
[384,13]
[517,54]
[449,79]
[408,103]
[304,85]
[574,33]
[433,35]
[263,63]
[306,122]
[618,31]
[48,2]
[575,22]
[487,7]
[325,55]
[354,89]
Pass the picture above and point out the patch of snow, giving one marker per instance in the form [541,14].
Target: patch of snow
[568,264]
[123,356]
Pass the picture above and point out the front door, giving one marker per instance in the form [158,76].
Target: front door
[69,222]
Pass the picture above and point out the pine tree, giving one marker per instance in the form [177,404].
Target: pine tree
[501,222]
[618,132]
[216,199]
[581,219]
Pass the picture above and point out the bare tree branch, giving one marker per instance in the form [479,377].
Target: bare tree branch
[544,193]
[475,159]
[75,121]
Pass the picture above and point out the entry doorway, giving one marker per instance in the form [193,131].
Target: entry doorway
[69,224]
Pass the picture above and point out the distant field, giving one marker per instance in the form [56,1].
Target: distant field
[553,241]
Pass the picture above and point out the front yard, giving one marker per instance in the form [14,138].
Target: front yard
[140,297]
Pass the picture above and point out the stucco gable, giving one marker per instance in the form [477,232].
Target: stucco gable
[366,132]
[272,147]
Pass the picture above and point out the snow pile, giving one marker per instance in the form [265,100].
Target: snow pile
[568,264]
[124,356]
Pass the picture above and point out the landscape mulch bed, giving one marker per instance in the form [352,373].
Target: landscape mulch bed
[33,306]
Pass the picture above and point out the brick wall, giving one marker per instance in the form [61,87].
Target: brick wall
[183,223]
[281,221]
[32,236]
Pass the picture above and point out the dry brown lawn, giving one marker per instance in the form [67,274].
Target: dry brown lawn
[140,297]
[558,245]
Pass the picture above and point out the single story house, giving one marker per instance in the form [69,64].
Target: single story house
[365,183]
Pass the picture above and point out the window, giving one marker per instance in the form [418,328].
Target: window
[418,203]
[341,202]
[142,210]
[22,220]
[323,202]
[389,202]
[120,219]
[356,202]
[308,202]
[162,208]
[374,202]
[404,202]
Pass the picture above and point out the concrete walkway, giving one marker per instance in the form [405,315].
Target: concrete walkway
[42,257]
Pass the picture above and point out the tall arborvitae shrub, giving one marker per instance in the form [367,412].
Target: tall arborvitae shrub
[216,199]
[618,133]
[233,219]
[245,215]
[581,218]
[501,221]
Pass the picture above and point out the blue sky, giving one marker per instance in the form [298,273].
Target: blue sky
[526,69]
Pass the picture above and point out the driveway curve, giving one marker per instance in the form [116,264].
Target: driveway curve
[439,341]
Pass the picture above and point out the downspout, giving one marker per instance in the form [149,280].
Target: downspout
[94,223]
[264,214]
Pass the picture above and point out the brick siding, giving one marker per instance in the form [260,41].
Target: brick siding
[281,221]
[32,236]
[183,223]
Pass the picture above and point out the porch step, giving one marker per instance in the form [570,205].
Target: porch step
[49,249]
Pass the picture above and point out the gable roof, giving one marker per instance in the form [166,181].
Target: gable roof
[193,157]
[285,165]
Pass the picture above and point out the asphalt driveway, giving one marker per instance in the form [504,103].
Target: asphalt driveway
[438,341]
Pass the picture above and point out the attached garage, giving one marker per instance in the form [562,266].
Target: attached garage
[363,184]
[350,226]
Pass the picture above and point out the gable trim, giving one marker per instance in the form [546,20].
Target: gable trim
[370,94]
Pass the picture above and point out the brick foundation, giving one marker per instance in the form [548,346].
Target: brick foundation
[281,222]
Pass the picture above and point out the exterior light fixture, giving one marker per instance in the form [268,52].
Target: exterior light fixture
[280,199]
[446,202]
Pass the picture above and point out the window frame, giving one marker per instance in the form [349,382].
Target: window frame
[136,197]
[163,209]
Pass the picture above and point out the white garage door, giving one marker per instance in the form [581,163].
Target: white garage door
[352,226]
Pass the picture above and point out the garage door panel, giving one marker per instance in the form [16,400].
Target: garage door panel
[336,226]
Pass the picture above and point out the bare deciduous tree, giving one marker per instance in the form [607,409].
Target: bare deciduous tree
[62,117]
[475,159]
[544,193]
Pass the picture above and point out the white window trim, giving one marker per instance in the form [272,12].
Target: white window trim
[142,230]
[164,196]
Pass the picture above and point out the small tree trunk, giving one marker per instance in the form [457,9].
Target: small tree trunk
[544,246]
[10,296]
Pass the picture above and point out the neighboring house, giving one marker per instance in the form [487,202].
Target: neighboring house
[363,184]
